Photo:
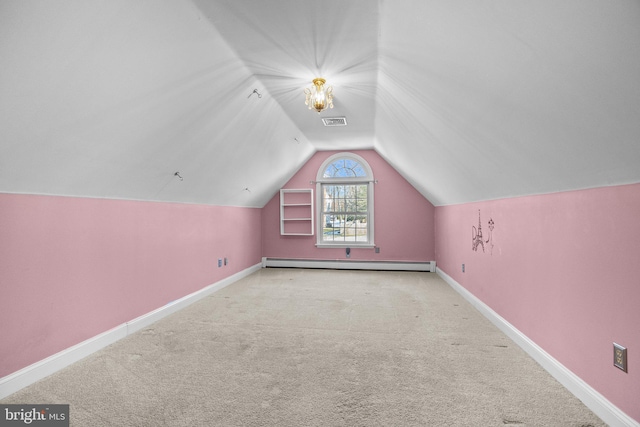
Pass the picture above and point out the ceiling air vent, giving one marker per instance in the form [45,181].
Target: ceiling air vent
[334,121]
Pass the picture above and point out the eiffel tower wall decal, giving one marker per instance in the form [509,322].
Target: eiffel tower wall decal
[476,235]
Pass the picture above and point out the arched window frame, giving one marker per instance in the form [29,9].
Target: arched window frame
[367,180]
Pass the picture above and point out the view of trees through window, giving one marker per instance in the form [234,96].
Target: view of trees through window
[345,212]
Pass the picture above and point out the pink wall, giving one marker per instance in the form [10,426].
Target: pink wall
[403,218]
[563,269]
[71,268]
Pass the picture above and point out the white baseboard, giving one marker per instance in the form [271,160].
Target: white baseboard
[600,406]
[45,367]
[350,265]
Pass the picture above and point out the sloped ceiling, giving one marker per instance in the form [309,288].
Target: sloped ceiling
[469,100]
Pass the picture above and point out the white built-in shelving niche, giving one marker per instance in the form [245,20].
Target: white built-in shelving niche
[296,212]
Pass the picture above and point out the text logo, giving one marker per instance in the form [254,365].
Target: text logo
[34,415]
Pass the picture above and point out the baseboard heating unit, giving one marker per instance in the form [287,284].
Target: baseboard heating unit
[429,266]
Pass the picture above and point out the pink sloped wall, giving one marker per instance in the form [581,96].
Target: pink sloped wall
[564,270]
[71,268]
[403,218]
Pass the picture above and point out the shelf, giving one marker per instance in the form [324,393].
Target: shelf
[296,212]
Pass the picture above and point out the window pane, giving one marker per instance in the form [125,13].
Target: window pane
[361,228]
[344,168]
[345,212]
[350,205]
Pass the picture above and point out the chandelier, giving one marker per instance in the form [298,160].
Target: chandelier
[319,97]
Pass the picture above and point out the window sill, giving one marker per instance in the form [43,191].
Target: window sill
[346,245]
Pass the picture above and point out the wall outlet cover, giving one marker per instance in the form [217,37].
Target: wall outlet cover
[620,357]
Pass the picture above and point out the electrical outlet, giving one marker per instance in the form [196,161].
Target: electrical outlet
[226,261]
[348,251]
[463,268]
[620,357]
[377,250]
[219,262]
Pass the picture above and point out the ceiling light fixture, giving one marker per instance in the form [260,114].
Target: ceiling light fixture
[319,97]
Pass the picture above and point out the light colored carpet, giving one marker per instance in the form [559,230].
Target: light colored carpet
[291,347]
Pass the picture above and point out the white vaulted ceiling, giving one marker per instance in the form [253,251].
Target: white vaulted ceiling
[468,100]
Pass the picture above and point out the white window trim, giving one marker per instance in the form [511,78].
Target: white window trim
[349,180]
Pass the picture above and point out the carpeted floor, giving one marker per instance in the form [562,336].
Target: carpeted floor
[292,347]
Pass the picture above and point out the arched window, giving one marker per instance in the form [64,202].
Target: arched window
[345,202]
